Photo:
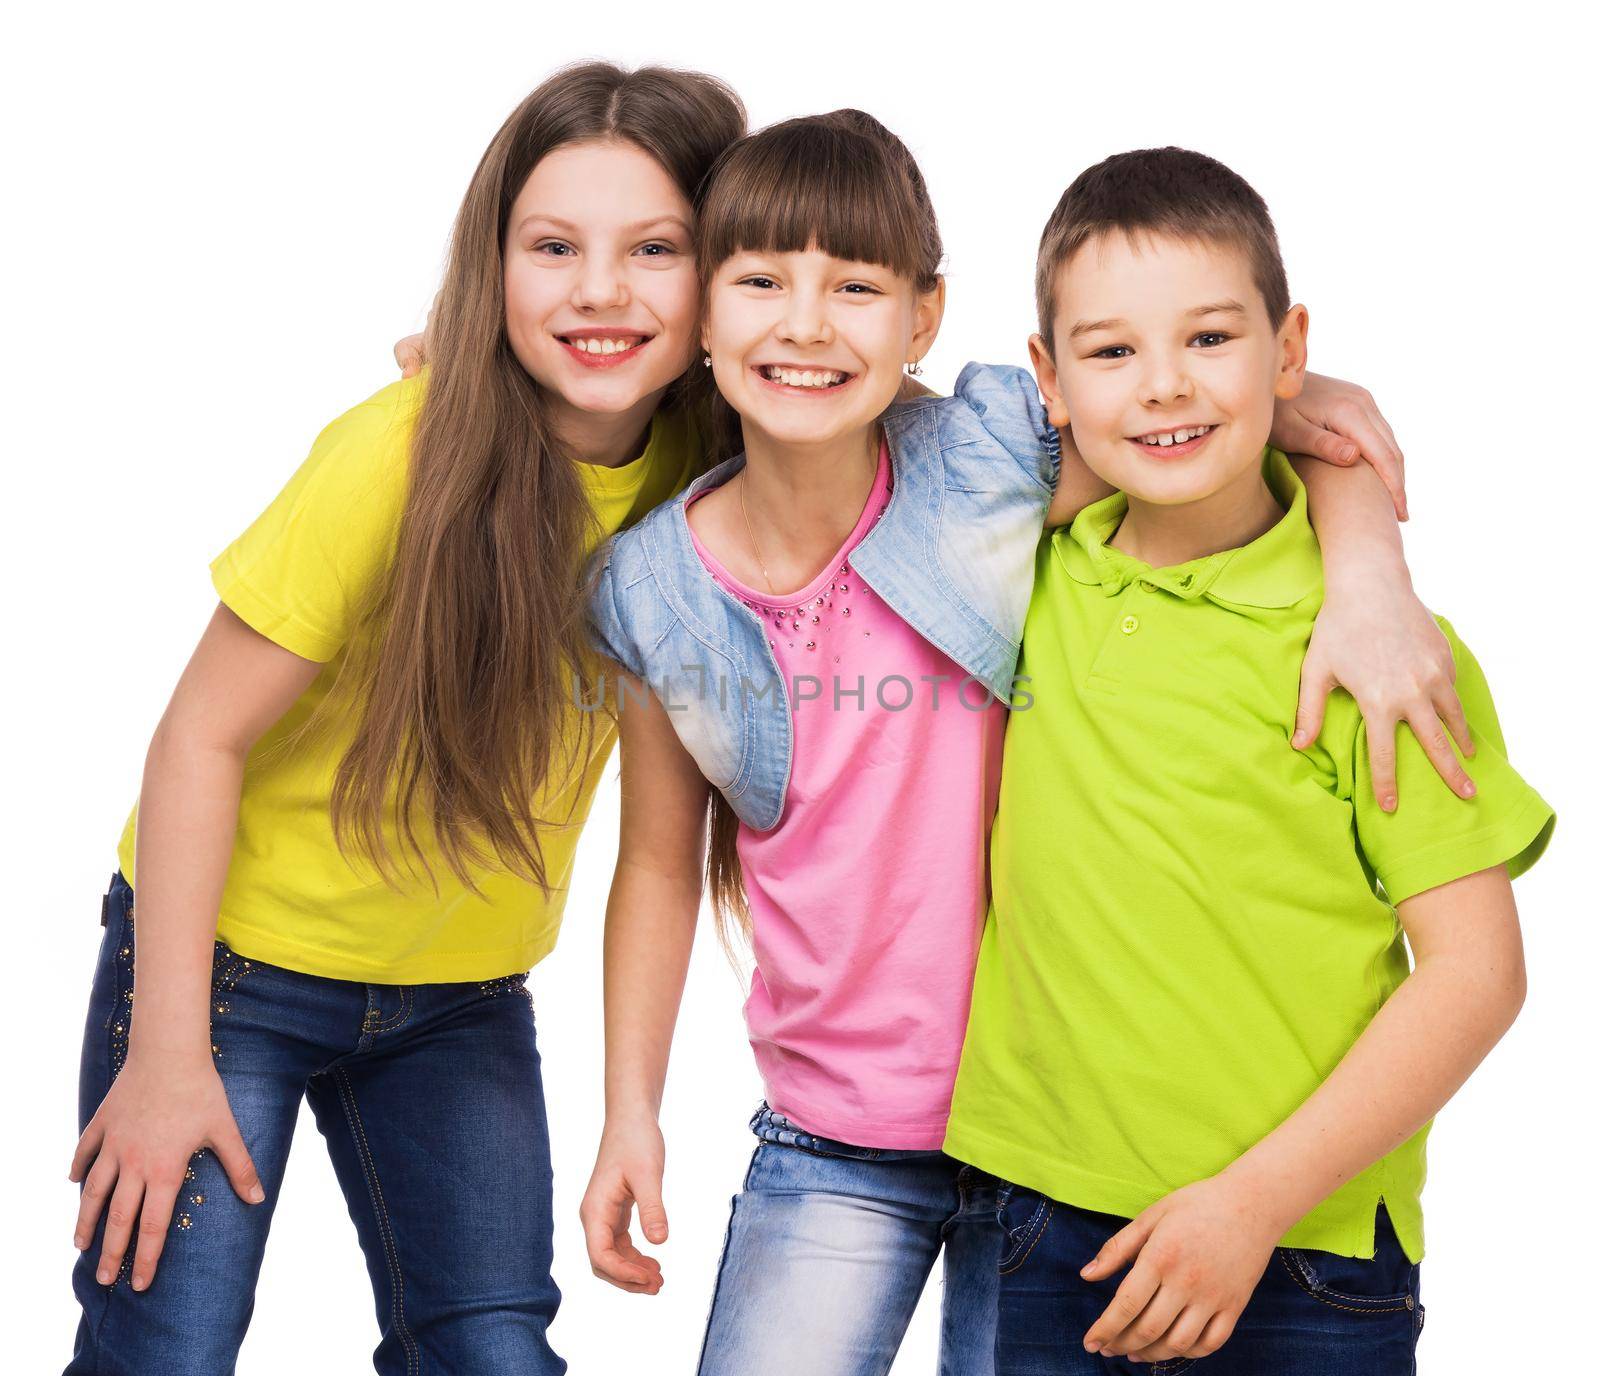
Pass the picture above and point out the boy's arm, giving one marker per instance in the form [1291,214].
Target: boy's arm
[1373,637]
[650,922]
[1202,1249]
[1340,423]
[1336,422]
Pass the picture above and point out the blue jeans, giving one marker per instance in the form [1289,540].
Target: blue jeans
[828,1249]
[430,1100]
[1313,1313]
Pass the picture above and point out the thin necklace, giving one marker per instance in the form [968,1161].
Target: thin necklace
[750,530]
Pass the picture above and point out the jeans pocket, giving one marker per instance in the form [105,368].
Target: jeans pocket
[1355,1285]
[1024,1217]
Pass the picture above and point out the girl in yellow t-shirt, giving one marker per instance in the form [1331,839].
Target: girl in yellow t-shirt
[360,808]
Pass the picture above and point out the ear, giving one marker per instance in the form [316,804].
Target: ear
[926,321]
[1044,368]
[1292,353]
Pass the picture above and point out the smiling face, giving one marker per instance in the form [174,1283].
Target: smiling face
[1166,365]
[808,348]
[600,286]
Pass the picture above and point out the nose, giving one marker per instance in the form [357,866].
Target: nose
[1165,379]
[805,318]
[600,285]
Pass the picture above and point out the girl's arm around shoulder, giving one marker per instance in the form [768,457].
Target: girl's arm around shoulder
[1004,402]
[650,922]
[611,619]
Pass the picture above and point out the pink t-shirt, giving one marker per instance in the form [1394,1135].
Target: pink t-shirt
[868,897]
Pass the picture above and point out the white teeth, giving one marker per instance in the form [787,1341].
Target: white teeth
[1173,437]
[801,377]
[605,346]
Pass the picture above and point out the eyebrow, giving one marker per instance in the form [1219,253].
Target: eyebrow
[1229,307]
[636,227]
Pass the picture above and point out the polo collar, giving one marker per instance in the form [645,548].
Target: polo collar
[1278,568]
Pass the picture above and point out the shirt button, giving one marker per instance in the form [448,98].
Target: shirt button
[1129,625]
[1147,585]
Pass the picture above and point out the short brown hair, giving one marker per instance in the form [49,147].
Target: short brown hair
[841,181]
[1168,191]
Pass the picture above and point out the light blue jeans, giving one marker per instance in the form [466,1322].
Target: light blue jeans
[829,1247]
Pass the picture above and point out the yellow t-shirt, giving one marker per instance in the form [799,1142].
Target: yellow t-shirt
[301,575]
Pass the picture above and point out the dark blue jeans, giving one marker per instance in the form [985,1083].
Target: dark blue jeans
[430,1100]
[1313,1314]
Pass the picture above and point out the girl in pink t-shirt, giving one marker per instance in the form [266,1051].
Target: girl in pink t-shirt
[864,898]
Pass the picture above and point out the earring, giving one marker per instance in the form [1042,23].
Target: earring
[706,361]
[915,369]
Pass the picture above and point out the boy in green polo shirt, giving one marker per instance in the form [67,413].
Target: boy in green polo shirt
[1197,1051]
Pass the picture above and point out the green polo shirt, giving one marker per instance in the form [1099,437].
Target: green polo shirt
[1192,921]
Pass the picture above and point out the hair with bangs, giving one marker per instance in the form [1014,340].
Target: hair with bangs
[1170,191]
[840,182]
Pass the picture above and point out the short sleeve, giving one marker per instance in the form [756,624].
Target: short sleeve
[1434,837]
[606,632]
[1006,402]
[305,571]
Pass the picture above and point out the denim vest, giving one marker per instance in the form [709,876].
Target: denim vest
[952,554]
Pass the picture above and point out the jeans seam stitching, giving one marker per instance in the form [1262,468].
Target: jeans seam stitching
[1378,1304]
[385,1231]
[1049,1208]
[400,1017]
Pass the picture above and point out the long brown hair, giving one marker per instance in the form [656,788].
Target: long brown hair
[463,682]
[841,182]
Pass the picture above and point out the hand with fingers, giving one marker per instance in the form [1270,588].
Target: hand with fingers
[1196,1257]
[1383,647]
[410,353]
[414,351]
[627,1175]
[1340,423]
[132,1157]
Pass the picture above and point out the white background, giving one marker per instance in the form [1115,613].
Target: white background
[219,221]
